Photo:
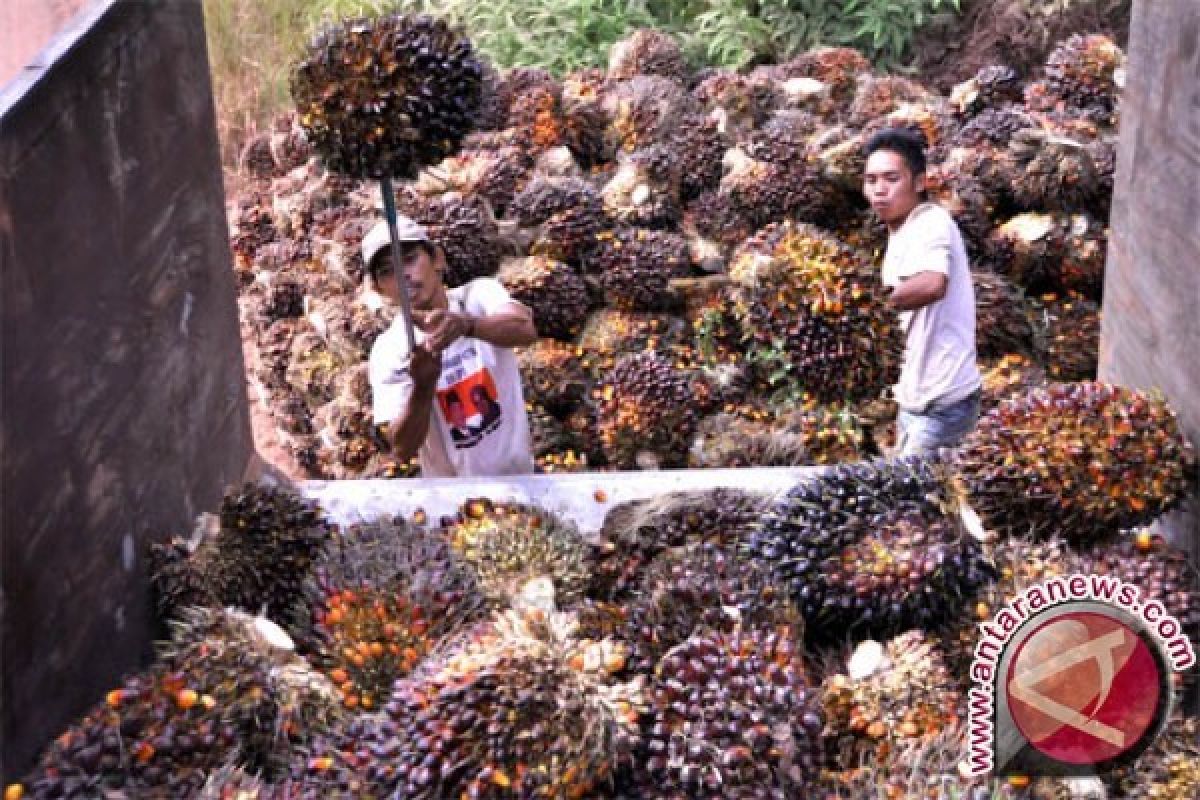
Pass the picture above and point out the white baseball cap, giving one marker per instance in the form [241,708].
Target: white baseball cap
[378,238]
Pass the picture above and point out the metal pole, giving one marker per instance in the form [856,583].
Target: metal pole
[389,211]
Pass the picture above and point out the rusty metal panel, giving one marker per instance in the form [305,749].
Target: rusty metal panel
[123,406]
[1150,335]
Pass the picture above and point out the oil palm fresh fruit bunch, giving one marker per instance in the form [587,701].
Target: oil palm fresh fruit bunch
[646,52]
[281,298]
[385,97]
[515,548]
[1082,460]
[736,101]
[993,127]
[609,335]
[556,448]
[554,291]
[645,189]
[646,110]
[966,200]
[545,196]
[553,375]
[646,411]
[879,95]
[586,131]
[535,119]
[873,548]
[714,215]
[1029,248]
[839,68]
[990,88]
[1168,770]
[636,532]
[1052,173]
[1010,374]
[732,715]
[1085,72]
[813,314]
[313,367]
[1082,266]
[932,120]
[1067,334]
[890,693]
[253,228]
[634,267]
[766,192]
[492,175]
[822,435]
[1002,316]
[516,82]
[464,228]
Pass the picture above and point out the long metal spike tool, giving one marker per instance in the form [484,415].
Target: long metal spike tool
[389,211]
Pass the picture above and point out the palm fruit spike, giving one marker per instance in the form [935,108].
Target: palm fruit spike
[646,110]
[645,189]
[1010,374]
[464,228]
[258,556]
[647,410]
[646,52]
[634,533]
[635,267]
[1082,460]
[990,88]
[516,548]
[1067,332]
[813,315]
[1086,71]
[384,97]
[1168,770]
[1003,319]
[889,693]
[720,704]
[872,549]
[556,294]
[553,376]
[1052,173]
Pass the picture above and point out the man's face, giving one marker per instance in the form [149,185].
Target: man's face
[424,274]
[456,414]
[890,186]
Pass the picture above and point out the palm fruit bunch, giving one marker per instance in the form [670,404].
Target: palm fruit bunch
[1082,460]
[552,375]
[1084,72]
[993,127]
[381,598]
[544,197]
[732,715]
[1010,374]
[556,448]
[535,118]
[966,200]
[821,435]
[254,555]
[585,130]
[646,411]
[1168,770]
[891,692]
[646,110]
[634,267]
[879,95]
[646,52]
[736,102]
[252,228]
[278,297]
[837,69]
[1067,332]
[814,315]
[1002,316]
[464,228]
[766,191]
[715,216]
[313,368]
[385,97]
[553,290]
[515,549]
[1051,172]
[609,335]
[645,189]
[933,121]
[494,175]
[256,158]
[1082,266]
[990,88]
[636,532]
[873,548]
[1029,248]
[1104,155]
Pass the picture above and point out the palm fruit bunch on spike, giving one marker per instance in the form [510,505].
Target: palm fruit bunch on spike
[1002,316]
[873,548]
[636,532]
[464,228]
[646,52]
[1082,460]
[635,267]
[732,715]
[382,597]
[609,335]
[993,127]
[385,97]
[556,448]
[645,189]
[1067,333]
[1085,72]
[890,693]
[255,555]
[515,549]
[553,376]
[313,368]
[1168,770]
[966,200]
[1012,373]
[646,110]
[553,290]
[814,315]
[879,95]
[1051,173]
[646,411]
[527,711]
[992,87]
[736,102]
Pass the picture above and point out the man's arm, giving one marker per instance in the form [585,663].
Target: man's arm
[509,326]
[918,291]
[408,430]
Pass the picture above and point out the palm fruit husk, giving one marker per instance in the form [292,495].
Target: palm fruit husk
[510,546]
[553,375]
[382,597]
[645,189]
[889,693]
[993,127]
[555,447]
[1010,374]
[734,102]
[732,715]
[254,555]
[646,52]
[646,411]
[1067,333]
[464,228]
[554,291]
[636,532]
[1082,460]
[874,548]
[609,334]
[635,267]
[385,97]
[1168,770]
[1085,72]
[646,110]
[1001,316]
[990,88]
[1052,172]
[878,95]
[813,315]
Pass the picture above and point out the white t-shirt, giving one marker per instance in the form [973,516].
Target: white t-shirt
[939,352]
[478,425]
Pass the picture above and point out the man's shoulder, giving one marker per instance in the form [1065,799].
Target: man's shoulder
[930,216]
[392,343]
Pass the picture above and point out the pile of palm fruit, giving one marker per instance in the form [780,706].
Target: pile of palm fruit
[694,245]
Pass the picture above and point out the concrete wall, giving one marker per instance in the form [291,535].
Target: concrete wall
[122,402]
[1151,325]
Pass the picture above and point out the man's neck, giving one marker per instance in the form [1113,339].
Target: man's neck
[898,223]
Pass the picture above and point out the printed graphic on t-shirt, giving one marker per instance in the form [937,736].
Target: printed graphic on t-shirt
[470,407]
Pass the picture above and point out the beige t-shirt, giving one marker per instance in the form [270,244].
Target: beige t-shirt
[478,425]
[939,352]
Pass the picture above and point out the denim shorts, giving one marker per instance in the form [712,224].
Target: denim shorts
[938,426]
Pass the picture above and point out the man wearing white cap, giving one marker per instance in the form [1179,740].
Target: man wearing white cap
[427,397]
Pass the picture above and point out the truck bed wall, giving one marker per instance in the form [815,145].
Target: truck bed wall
[123,406]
